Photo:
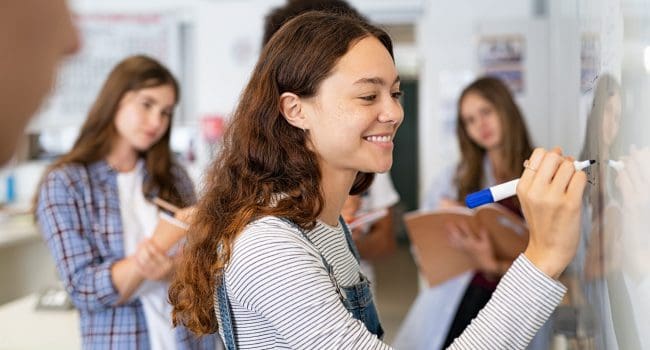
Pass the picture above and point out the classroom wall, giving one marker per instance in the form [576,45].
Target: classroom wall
[446,36]
[576,44]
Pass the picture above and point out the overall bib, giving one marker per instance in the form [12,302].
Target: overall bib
[356,298]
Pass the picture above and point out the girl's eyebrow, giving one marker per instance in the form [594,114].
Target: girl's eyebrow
[150,98]
[376,81]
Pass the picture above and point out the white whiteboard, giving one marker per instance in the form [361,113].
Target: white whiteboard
[610,278]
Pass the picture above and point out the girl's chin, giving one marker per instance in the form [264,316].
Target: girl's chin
[379,169]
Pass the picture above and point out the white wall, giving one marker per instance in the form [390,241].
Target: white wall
[446,37]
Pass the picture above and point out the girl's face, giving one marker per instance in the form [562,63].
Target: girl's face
[352,120]
[481,121]
[143,116]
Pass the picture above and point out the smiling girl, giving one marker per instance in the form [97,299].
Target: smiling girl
[269,262]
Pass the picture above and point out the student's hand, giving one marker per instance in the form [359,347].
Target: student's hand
[446,203]
[151,262]
[357,235]
[476,246]
[185,215]
[350,208]
[550,193]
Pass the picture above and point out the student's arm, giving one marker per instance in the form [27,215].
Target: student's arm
[93,281]
[62,217]
[479,248]
[150,260]
[379,242]
[524,299]
[148,263]
[274,273]
[550,192]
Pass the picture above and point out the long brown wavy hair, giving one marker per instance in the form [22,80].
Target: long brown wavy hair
[263,156]
[97,135]
[516,143]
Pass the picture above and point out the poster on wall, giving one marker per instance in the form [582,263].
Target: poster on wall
[450,84]
[106,39]
[503,56]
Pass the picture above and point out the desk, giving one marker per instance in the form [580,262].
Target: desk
[17,229]
[26,265]
[23,328]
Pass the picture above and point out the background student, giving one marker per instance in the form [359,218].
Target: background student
[37,35]
[95,214]
[376,240]
[493,143]
[269,263]
[373,241]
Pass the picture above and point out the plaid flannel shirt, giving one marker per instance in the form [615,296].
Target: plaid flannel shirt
[79,216]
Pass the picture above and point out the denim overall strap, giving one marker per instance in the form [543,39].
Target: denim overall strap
[225,315]
[357,298]
[348,237]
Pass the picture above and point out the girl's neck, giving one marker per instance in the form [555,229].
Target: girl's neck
[336,187]
[122,158]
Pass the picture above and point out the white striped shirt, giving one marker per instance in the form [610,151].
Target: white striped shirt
[282,297]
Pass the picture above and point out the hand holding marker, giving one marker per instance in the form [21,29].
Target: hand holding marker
[507,189]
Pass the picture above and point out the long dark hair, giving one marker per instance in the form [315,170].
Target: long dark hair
[98,132]
[264,156]
[516,142]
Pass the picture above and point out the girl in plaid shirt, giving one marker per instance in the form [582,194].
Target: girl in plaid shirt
[94,212]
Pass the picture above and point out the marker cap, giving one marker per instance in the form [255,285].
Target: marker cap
[479,198]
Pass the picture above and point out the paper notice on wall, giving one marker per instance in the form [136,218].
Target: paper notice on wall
[503,56]
[106,39]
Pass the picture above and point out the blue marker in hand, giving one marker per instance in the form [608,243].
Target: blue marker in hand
[506,189]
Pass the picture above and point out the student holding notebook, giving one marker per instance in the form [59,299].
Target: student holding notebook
[95,211]
[493,143]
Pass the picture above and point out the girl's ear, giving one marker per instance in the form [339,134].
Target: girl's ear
[291,107]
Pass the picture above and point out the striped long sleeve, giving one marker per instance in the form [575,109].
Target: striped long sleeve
[282,297]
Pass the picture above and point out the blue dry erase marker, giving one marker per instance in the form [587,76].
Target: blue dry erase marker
[507,189]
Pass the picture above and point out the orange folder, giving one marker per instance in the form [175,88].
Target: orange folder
[438,261]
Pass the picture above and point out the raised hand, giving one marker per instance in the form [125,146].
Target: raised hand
[476,245]
[151,262]
[550,192]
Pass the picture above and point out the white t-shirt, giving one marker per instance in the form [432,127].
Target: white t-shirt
[139,220]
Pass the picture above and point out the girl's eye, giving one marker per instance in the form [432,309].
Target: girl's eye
[369,97]
[146,105]
[397,94]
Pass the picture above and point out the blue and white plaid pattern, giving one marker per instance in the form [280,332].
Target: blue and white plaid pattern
[79,216]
